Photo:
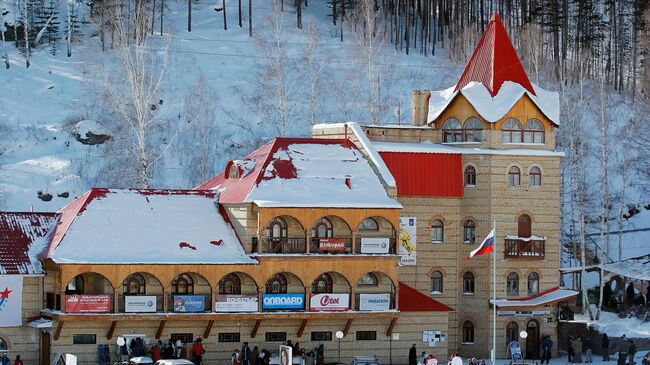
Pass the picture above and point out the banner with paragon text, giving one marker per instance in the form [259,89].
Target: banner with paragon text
[374,302]
[11,301]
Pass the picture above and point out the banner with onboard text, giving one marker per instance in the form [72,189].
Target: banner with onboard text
[11,301]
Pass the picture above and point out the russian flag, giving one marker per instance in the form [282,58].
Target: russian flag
[486,246]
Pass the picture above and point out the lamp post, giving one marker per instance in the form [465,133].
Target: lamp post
[339,335]
[523,335]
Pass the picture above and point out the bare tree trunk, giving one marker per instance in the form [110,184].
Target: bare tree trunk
[153,16]
[225,21]
[189,15]
[162,7]
[240,21]
[250,18]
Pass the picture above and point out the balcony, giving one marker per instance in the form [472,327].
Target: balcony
[285,245]
[531,248]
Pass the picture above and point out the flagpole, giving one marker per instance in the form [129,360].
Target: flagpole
[493,355]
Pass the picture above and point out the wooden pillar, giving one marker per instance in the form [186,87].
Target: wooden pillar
[213,298]
[62,295]
[353,298]
[116,298]
[308,239]
[307,299]
[354,241]
[165,293]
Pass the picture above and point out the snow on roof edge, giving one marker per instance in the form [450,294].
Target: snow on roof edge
[427,147]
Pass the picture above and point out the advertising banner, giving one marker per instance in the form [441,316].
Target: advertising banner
[236,303]
[88,303]
[329,302]
[374,302]
[189,303]
[139,303]
[11,301]
[286,355]
[408,240]
[331,244]
[283,301]
[374,245]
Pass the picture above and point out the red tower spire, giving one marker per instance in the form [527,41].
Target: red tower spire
[495,61]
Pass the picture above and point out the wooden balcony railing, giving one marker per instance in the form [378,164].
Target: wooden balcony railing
[284,245]
[533,249]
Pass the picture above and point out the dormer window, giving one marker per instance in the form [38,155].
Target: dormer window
[511,131]
[473,130]
[533,131]
[452,131]
[233,172]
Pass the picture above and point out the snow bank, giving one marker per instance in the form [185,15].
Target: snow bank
[615,326]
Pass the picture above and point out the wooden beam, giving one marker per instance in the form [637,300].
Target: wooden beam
[161,327]
[255,328]
[109,335]
[389,331]
[301,330]
[208,329]
[347,327]
[57,333]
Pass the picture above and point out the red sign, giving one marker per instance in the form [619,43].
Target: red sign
[329,302]
[88,303]
[331,244]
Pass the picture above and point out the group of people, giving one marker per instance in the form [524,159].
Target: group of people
[246,356]
[430,359]
[625,347]
[579,346]
[4,360]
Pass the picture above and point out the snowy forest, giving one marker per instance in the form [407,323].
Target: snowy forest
[161,93]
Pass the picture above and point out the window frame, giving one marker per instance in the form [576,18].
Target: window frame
[84,339]
[137,279]
[468,332]
[512,291]
[189,284]
[366,335]
[232,279]
[535,177]
[511,131]
[229,337]
[328,284]
[469,280]
[373,283]
[282,282]
[323,222]
[455,134]
[476,133]
[469,226]
[277,221]
[185,338]
[321,336]
[514,177]
[512,332]
[363,227]
[275,336]
[469,176]
[435,280]
[533,133]
[533,277]
[437,225]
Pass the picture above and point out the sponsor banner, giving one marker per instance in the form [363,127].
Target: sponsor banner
[88,303]
[189,303]
[11,301]
[331,244]
[139,303]
[408,240]
[523,313]
[374,302]
[515,350]
[286,355]
[283,301]
[374,245]
[236,303]
[329,302]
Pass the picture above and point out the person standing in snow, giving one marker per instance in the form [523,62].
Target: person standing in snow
[588,347]
[413,355]
[631,351]
[622,351]
[604,347]
[547,345]
[570,351]
[577,350]
[198,351]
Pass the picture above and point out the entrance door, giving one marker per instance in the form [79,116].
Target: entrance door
[45,348]
[532,341]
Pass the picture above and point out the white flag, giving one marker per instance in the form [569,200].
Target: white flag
[11,301]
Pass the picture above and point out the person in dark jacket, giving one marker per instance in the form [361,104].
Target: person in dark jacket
[547,345]
[5,359]
[646,359]
[629,294]
[622,350]
[255,355]
[569,347]
[631,351]
[245,354]
[588,346]
[168,352]
[413,355]
[604,347]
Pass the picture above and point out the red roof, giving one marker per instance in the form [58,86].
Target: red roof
[425,174]
[411,300]
[495,61]
[20,234]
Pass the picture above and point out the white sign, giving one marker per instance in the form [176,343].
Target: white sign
[286,357]
[374,302]
[329,302]
[375,245]
[408,240]
[140,303]
[11,301]
[236,303]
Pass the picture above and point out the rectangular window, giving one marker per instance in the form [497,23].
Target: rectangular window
[84,339]
[366,335]
[229,337]
[275,336]
[321,336]
[184,337]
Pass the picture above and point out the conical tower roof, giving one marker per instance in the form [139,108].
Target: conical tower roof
[495,61]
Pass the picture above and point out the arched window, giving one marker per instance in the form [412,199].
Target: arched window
[473,130]
[134,285]
[182,285]
[535,176]
[514,176]
[512,332]
[277,228]
[452,131]
[369,224]
[524,224]
[322,229]
[513,285]
[233,171]
[437,231]
[468,283]
[323,284]
[230,284]
[368,279]
[3,345]
[436,282]
[469,232]
[75,286]
[470,176]
[533,131]
[277,284]
[468,332]
[533,283]
[511,131]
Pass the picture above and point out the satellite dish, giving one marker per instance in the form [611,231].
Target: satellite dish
[523,334]
[121,341]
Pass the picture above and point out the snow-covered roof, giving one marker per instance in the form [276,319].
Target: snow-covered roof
[302,172]
[23,236]
[635,268]
[429,147]
[546,297]
[493,108]
[107,226]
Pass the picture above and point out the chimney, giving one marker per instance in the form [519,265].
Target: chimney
[348,181]
[425,96]
[415,106]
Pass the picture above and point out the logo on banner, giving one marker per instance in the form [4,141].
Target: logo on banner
[329,302]
[4,297]
[283,301]
[11,301]
[331,244]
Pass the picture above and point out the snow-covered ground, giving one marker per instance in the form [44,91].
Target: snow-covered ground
[614,326]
